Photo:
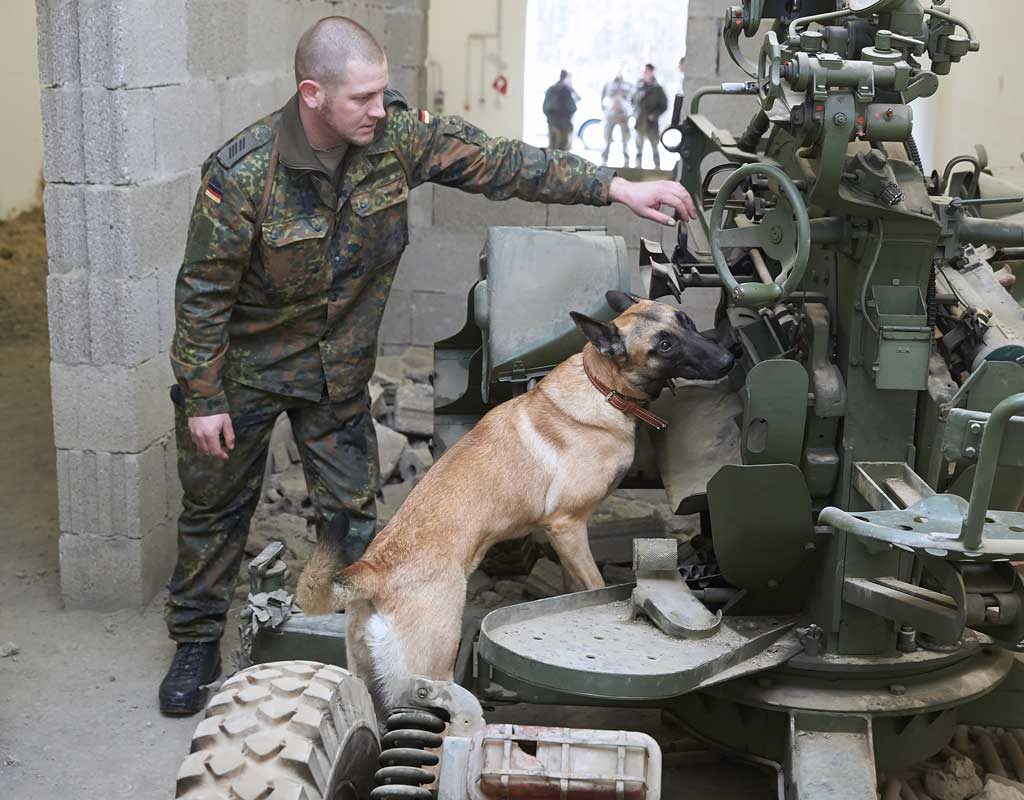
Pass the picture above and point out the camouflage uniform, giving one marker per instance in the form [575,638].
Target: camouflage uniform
[285,318]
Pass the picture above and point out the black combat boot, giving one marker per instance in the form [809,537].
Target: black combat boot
[183,689]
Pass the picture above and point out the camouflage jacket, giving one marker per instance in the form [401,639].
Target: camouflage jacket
[298,303]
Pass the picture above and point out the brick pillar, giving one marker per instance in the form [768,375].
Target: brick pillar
[135,95]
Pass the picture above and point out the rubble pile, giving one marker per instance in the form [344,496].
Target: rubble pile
[977,764]
[402,406]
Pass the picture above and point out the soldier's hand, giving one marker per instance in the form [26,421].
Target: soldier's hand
[645,199]
[207,432]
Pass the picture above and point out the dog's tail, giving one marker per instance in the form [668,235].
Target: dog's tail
[327,584]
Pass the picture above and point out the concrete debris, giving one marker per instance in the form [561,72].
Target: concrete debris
[545,579]
[957,780]
[614,574]
[391,497]
[283,452]
[292,484]
[415,461]
[611,539]
[478,582]
[8,649]
[509,590]
[997,788]
[488,599]
[391,448]
[414,409]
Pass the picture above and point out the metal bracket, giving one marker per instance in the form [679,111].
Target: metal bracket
[662,595]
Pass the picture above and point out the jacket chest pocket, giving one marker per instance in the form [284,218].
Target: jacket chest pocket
[380,222]
[295,256]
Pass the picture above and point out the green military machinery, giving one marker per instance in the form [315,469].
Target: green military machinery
[853,594]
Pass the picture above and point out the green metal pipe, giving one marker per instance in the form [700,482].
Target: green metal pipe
[984,476]
[750,87]
[828,230]
[988,231]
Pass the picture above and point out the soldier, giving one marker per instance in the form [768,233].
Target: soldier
[615,103]
[559,106]
[650,102]
[293,244]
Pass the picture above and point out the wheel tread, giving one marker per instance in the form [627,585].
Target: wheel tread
[272,733]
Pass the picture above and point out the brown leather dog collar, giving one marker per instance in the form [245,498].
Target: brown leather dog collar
[628,405]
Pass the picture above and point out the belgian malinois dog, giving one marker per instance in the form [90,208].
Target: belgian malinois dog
[548,457]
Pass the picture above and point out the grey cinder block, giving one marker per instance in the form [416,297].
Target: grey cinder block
[63,150]
[111,408]
[106,573]
[133,43]
[67,307]
[119,135]
[217,35]
[122,313]
[135,230]
[66,242]
[57,42]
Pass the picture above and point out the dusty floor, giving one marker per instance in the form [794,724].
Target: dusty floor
[78,716]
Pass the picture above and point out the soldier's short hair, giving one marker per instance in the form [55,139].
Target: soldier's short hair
[649,66]
[325,50]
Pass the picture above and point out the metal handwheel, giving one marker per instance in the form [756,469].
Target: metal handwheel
[784,234]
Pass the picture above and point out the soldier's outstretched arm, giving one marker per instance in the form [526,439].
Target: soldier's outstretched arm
[220,238]
[453,152]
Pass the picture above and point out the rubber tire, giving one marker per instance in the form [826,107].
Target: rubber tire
[278,731]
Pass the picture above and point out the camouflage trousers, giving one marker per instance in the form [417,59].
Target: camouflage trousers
[338,449]
[647,135]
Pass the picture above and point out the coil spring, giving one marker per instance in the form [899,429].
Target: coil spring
[410,732]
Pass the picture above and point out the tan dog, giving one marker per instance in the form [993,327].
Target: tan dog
[549,457]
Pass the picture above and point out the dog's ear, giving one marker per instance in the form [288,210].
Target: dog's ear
[603,335]
[620,301]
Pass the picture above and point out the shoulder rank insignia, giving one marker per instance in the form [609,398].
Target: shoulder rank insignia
[235,150]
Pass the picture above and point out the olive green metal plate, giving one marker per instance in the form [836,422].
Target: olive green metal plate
[761,523]
[774,413]
[588,644]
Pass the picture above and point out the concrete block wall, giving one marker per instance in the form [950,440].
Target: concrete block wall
[447,229]
[135,94]
[708,63]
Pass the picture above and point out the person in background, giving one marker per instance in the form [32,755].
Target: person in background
[617,110]
[649,102]
[682,76]
[559,106]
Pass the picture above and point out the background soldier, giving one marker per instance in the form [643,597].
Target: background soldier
[615,102]
[559,106]
[293,244]
[650,103]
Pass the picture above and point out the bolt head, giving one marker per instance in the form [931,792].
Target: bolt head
[422,693]
[975,427]
[840,118]
[970,452]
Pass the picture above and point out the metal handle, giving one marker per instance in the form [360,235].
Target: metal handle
[971,534]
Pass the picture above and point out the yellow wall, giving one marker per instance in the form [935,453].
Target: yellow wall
[450,23]
[982,99]
[21,137]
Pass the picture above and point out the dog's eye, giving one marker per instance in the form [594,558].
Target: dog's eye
[664,345]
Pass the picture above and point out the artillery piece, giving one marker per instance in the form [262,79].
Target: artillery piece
[861,490]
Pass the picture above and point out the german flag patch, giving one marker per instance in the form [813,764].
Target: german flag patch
[424,116]
[214,192]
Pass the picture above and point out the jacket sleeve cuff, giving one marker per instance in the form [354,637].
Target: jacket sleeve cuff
[206,406]
[602,183]
[201,386]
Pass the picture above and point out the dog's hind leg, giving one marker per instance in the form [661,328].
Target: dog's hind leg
[568,536]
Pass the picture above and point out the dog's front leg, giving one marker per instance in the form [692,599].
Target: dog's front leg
[569,538]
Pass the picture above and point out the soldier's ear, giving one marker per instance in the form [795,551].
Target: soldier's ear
[620,301]
[603,335]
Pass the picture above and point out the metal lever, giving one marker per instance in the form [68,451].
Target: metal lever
[662,595]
